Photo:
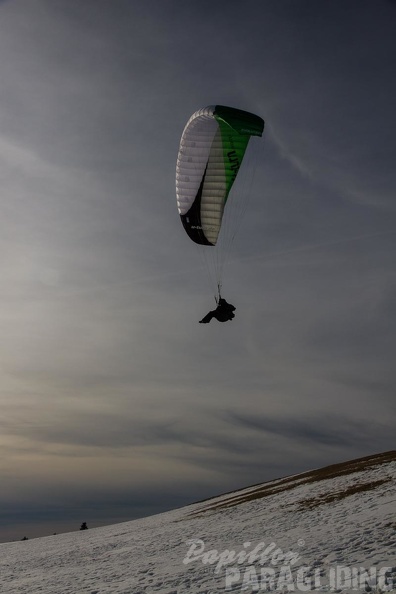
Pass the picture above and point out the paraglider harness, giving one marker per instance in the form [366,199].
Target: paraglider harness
[224,311]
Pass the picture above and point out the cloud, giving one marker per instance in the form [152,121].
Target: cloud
[311,431]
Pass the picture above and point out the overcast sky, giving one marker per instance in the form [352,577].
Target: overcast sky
[115,403]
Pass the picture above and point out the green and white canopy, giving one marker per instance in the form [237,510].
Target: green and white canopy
[212,147]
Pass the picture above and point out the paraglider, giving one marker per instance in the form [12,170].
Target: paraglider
[212,148]
[223,312]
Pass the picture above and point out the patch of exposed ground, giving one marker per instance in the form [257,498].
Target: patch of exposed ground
[312,502]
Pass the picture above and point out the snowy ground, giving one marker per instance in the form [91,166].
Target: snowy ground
[330,529]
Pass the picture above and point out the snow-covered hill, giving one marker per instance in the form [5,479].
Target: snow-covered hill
[331,528]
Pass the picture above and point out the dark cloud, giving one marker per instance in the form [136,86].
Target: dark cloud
[336,431]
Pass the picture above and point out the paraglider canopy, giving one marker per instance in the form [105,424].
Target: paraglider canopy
[212,147]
